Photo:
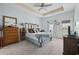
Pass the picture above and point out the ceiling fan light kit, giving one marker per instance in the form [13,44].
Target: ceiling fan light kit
[42,6]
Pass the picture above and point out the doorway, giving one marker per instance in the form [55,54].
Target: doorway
[65,24]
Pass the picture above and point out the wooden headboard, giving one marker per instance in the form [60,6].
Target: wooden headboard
[31,26]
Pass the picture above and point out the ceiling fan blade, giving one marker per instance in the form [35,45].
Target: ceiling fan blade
[42,4]
[40,9]
[54,11]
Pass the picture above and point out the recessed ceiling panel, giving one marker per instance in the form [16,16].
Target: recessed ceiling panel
[44,9]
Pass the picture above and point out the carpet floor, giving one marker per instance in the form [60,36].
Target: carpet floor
[55,47]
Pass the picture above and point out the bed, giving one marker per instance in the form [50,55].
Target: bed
[38,38]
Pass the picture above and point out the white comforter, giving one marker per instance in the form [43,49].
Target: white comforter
[33,35]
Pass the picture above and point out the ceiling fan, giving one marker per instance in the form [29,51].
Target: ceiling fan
[42,5]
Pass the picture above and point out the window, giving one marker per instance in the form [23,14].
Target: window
[77,27]
[65,25]
[51,27]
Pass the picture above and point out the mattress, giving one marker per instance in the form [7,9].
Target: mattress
[34,35]
[31,36]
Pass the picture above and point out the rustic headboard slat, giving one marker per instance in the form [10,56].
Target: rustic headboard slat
[31,26]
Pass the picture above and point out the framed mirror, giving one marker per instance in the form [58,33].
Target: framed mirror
[9,21]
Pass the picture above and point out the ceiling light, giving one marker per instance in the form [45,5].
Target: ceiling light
[42,5]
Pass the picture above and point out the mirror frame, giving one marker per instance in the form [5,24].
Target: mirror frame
[4,18]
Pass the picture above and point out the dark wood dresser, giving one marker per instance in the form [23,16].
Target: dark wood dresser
[1,39]
[1,42]
[70,46]
[22,34]
[10,35]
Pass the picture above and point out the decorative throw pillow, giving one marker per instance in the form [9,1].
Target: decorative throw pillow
[31,31]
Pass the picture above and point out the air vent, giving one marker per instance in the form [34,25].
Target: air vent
[66,21]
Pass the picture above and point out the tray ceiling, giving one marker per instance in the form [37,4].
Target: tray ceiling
[54,8]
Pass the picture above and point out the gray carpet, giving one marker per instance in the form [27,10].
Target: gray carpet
[55,47]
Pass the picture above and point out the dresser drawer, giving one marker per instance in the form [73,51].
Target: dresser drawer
[10,35]
[9,40]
